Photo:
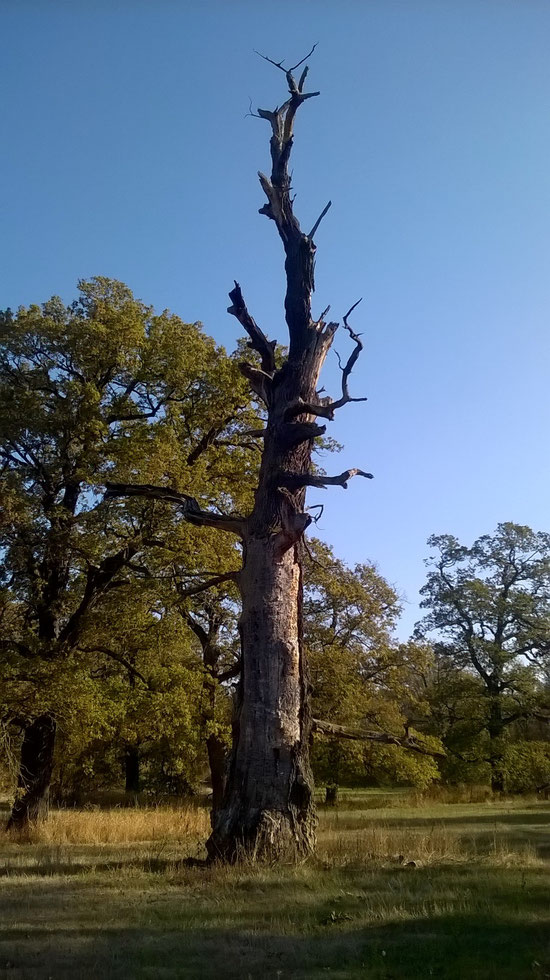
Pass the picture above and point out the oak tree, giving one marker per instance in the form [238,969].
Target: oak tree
[101,388]
[488,609]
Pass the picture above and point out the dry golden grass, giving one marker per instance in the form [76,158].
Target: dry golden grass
[118,826]
[388,845]
[347,838]
[451,794]
[382,843]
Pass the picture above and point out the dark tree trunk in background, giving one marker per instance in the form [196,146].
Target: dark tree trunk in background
[331,794]
[495,729]
[33,786]
[131,769]
[208,635]
[217,758]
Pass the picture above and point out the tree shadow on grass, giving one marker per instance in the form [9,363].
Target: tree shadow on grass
[452,947]
[52,868]
[385,925]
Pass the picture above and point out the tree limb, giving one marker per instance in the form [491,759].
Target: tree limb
[287,71]
[192,590]
[188,506]
[293,433]
[296,480]
[229,673]
[318,222]
[258,340]
[259,381]
[326,407]
[98,580]
[210,437]
[119,659]
[359,734]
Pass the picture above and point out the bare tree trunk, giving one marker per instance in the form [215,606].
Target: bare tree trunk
[33,786]
[268,806]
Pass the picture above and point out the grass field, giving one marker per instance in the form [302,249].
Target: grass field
[397,891]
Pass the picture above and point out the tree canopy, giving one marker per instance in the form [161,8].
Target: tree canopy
[488,609]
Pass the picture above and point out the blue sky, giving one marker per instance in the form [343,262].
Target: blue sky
[127,152]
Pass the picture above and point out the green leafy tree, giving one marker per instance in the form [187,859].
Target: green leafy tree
[148,674]
[103,388]
[361,677]
[488,608]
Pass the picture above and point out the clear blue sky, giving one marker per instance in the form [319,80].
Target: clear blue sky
[127,153]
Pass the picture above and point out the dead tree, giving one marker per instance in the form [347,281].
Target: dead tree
[268,804]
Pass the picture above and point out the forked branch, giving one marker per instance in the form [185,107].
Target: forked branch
[326,407]
[346,397]
[288,71]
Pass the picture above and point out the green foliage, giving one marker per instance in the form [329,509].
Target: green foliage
[527,766]
[360,675]
[92,628]
[489,610]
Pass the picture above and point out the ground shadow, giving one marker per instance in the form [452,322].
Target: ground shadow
[428,932]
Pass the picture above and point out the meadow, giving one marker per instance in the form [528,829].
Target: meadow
[401,888]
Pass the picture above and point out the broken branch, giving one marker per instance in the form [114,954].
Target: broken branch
[315,227]
[296,480]
[259,381]
[294,433]
[258,340]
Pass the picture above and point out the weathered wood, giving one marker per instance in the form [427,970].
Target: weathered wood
[268,805]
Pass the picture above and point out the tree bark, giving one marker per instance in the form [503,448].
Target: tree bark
[33,786]
[268,808]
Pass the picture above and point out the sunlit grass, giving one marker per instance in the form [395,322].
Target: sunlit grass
[117,826]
